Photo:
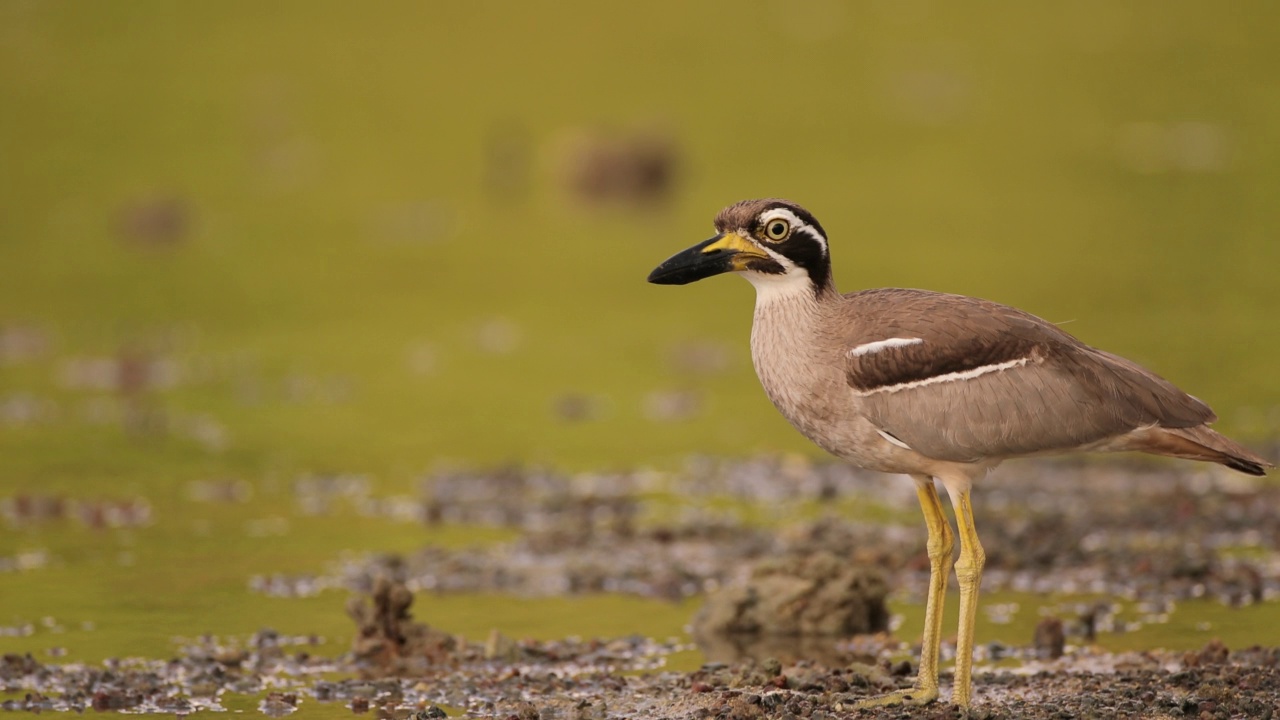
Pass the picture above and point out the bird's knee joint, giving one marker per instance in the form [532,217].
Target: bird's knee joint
[939,549]
[970,564]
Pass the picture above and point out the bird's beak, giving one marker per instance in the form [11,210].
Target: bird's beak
[723,253]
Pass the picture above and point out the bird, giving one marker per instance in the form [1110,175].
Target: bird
[936,386]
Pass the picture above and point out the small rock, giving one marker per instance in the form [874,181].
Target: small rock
[1050,639]
[499,646]
[1213,653]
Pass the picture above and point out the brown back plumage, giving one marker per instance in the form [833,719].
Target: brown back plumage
[1018,385]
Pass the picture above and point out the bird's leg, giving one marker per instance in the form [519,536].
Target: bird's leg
[969,576]
[939,546]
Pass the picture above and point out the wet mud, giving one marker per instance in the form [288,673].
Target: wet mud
[794,622]
[585,680]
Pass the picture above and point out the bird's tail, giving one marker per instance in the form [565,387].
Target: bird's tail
[1202,443]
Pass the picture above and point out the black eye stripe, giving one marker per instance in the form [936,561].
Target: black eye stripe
[801,245]
[806,232]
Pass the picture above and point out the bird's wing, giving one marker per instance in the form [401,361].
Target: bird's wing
[961,379]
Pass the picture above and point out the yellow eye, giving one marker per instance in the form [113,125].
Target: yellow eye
[777,230]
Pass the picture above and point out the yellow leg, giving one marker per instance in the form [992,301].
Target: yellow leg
[969,576]
[940,544]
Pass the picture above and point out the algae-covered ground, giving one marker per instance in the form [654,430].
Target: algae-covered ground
[270,269]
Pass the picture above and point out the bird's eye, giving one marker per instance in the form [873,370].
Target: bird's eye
[777,230]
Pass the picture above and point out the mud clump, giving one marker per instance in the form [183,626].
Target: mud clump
[798,596]
[1213,653]
[387,637]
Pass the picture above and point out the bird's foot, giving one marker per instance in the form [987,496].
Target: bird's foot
[911,696]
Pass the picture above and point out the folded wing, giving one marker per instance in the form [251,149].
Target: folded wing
[962,379]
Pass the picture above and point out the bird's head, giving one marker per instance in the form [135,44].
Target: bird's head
[770,242]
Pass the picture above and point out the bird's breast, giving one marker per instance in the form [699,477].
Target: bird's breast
[803,377]
[802,369]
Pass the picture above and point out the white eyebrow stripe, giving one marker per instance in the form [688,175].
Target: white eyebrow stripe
[949,377]
[878,345]
[783,213]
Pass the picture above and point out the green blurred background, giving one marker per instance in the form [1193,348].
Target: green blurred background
[255,240]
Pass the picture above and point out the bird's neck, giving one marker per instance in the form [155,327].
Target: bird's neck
[797,291]
[788,352]
[789,310]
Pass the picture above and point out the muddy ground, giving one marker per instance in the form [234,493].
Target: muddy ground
[805,633]
[596,680]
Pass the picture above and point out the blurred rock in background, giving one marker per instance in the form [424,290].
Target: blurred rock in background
[636,168]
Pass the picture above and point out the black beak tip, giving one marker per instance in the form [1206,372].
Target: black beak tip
[692,265]
[661,275]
